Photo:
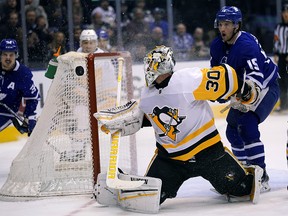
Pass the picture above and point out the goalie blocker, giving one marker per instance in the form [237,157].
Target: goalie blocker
[143,199]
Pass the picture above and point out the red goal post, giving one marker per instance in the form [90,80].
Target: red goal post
[128,94]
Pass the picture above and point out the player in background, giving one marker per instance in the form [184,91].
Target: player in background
[103,41]
[187,140]
[281,57]
[242,51]
[89,42]
[16,85]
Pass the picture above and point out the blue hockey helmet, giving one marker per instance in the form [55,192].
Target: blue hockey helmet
[228,13]
[8,45]
[102,34]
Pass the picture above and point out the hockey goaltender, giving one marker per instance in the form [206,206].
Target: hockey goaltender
[175,104]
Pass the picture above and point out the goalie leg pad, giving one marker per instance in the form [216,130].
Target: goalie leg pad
[103,194]
[144,199]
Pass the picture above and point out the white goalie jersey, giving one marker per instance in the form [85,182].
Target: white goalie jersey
[180,114]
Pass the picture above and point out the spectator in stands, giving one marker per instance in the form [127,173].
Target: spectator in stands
[10,29]
[97,22]
[59,40]
[76,34]
[148,17]
[156,39]
[37,51]
[77,13]
[125,17]
[42,29]
[30,19]
[137,30]
[199,49]
[89,42]
[78,21]
[211,35]
[57,15]
[6,8]
[158,14]
[77,8]
[183,42]
[40,11]
[107,11]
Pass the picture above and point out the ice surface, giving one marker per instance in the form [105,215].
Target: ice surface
[194,197]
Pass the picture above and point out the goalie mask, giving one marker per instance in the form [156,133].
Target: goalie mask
[157,62]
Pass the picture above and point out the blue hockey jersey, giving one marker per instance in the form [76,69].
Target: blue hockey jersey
[15,85]
[245,55]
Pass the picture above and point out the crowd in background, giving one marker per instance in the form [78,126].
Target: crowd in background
[142,28]
[47,29]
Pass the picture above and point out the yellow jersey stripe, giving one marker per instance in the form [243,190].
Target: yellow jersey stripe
[199,148]
[191,136]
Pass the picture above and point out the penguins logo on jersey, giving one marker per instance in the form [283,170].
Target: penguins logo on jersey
[167,119]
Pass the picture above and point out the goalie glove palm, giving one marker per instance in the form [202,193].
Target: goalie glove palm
[127,118]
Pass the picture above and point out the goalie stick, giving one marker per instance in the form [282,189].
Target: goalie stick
[235,102]
[229,106]
[112,179]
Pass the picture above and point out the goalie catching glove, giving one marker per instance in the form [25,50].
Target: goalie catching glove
[127,118]
[247,98]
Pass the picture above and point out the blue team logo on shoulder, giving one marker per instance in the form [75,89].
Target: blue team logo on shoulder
[167,119]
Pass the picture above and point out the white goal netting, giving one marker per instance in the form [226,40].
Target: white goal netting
[59,156]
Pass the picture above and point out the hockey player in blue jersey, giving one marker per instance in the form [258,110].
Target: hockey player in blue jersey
[16,84]
[243,52]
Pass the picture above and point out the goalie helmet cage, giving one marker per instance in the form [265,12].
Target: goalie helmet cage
[66,151]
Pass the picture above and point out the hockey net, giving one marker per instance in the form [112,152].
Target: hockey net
[66,151]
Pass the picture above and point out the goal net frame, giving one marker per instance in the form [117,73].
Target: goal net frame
[21,184]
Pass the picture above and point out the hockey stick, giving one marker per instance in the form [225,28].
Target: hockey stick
[235,102]
[112,179]
[228,106]
[21,128]
[21,119]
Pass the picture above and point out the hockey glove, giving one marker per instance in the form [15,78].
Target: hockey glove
[247,98]
[126,118]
